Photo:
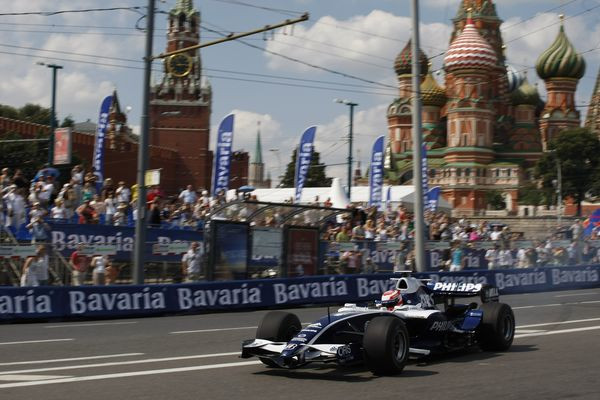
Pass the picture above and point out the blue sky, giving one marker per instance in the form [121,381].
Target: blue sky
[355,37]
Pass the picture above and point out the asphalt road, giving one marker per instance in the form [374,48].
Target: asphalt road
[555,355]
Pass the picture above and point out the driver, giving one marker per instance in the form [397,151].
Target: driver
[391,299]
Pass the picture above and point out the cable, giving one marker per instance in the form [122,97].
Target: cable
[277,10]
[50,13]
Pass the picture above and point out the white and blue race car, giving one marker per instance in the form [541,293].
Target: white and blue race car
[417,318]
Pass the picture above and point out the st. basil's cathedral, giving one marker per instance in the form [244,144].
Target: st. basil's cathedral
[487,127]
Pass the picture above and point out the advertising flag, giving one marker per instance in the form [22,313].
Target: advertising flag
[432,199]
[98,160]
[424,176]
[591,223]
[303,158]
[376,173]
[62,146]
[222,163]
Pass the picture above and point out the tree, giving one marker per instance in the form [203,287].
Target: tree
[577,153]
[495,200]
[68,122]
[316,173]
[35,113]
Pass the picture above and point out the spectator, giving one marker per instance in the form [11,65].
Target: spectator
[120,217]
[123,193]
[111,274]
[358,232]
[496,234]
[154,220]
[5,179]
[343,235]
[37,211]
[370,267]
[192,263]
[88,192]
[110,205]
[87,213]
[35,269]
[188,196]
[457,257]
[77,174]
[80,264]
[491,256]
[19,180]
[47,191]
[15,207]
[59,211]
[98,206]
[99,265]
[351,261]
[40,231]
[370,230]
[505,258]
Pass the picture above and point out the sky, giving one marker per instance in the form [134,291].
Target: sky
[352,43]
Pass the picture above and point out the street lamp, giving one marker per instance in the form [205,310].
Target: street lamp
[558,184]
[351,105]
[52,111]
[279,172]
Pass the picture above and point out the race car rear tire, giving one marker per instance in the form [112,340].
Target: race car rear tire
[497,329]
[277,326]
[386,345]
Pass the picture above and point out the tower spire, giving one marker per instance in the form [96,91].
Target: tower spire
[257,159]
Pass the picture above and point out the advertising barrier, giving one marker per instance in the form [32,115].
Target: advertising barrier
[65,238]
[139,300]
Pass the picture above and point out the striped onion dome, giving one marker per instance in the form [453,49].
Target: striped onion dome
[515,78]
[403,62]
[431,93]
[560,60]
[526,94]
[470,50]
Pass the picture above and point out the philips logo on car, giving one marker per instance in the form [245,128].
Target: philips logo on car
[457,287]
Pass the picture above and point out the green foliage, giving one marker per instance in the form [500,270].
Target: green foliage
[531,195]
[578,153]
[26,156]
[68,122]
[316,173]
[495,200]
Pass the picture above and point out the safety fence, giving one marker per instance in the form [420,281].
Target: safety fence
[113,301]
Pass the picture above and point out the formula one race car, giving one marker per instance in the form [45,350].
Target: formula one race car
[406,321]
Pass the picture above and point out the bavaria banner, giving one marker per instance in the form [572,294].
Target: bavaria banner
[98,160]
[222,162]
[424,176]
[376,173]
[143,300]
[303,158]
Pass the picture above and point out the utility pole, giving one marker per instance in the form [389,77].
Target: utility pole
[417,143]
[140,222]
[52,112]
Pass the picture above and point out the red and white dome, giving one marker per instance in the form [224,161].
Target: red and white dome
[470,50]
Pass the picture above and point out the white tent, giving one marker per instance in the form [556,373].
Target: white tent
[360,195]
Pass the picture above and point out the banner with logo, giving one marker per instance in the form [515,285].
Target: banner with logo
[303,158]
[222,162]
[144,300]
[62,146]
[376,173]
[432,199]
[424,176]
[98,161]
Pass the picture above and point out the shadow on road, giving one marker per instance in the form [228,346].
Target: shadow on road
[338,373]
[473,355]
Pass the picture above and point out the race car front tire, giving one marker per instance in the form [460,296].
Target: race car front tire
[277,326]
[386,345]
[497,329]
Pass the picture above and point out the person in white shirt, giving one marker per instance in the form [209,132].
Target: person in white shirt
[192,263]
[521,258]
[123,193]
[111,208]
[15,208]
[37,211]
[99,263]
[188,196]
[505,259]
[47,190]
[59,211]
[492,257]
[496,234]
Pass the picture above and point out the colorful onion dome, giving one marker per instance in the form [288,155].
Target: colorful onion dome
[470,50]
[560,60]
[403,62]
[526,94]
[515,78]
[432,94]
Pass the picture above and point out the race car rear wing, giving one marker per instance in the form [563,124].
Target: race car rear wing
[488,293]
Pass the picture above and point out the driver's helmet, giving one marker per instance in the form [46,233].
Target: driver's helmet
[391,299]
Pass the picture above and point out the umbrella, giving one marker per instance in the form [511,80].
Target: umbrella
[48,171]
[246,188]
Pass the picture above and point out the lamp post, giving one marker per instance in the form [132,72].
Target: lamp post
[558,184]
[350,137]
[52,112]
